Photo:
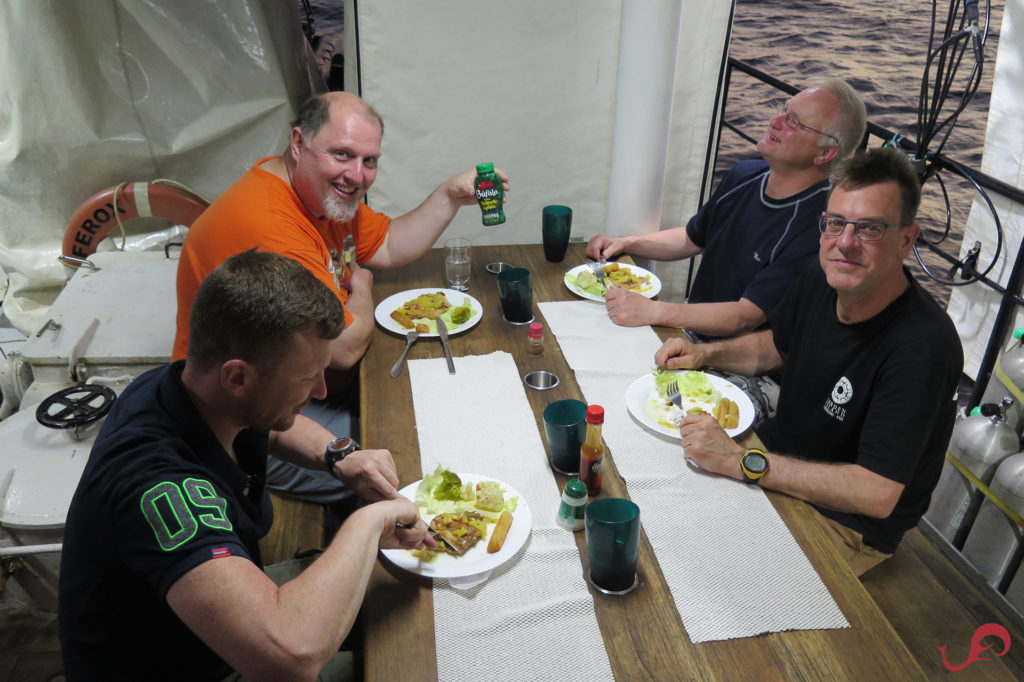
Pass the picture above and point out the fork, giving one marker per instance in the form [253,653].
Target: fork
[673,394]
[410,338]
[598,270]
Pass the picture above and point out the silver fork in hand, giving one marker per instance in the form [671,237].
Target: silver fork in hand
[673,394]
[598,270]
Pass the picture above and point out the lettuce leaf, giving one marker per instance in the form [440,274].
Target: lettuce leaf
[595,290]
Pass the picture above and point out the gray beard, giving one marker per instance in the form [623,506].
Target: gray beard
[340,210]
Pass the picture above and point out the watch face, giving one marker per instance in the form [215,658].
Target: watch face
[755,462]
[343,445]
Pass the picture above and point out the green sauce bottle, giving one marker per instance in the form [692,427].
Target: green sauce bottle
[490,194]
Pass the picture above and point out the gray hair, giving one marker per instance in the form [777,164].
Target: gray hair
[851,124]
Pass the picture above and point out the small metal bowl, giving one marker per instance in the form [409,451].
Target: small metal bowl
[495,268]
[540,380]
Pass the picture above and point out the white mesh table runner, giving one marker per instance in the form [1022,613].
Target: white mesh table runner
[713,537]
[534,617]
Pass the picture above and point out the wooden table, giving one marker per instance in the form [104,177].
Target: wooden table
[642,631]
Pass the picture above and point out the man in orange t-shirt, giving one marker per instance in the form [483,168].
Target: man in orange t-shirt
[302,204]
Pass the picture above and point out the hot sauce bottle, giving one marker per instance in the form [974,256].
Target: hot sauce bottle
[592,451]
[490,194]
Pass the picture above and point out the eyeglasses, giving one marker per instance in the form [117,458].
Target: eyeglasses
[864,230]
[793,121]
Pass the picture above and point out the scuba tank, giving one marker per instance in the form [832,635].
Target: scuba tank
[1008,379]
[980,442]
[994,543]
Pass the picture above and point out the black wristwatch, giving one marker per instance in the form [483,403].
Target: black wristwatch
[753,465]
[337,450]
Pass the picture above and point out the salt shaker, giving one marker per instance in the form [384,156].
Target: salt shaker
[574,502]
[536,346]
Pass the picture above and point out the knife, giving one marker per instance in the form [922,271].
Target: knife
[442,331]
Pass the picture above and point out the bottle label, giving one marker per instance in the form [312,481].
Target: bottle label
[490,194]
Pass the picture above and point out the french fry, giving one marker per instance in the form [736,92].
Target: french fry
[500,532]
[734,416]
[727,413]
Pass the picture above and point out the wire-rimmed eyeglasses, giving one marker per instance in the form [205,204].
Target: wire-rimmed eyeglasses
[864,230]
[793,121]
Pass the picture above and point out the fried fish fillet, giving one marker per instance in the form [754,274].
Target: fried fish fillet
[458,535]
[429,306]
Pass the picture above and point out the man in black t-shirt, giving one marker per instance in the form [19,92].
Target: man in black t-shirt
[161,575]
[870,366]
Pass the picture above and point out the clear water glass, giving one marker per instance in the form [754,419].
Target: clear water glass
[458,259]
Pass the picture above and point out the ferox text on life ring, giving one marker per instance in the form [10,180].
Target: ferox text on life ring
[94,219]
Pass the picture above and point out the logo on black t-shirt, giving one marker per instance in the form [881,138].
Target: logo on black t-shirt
[175,512]
[842,392]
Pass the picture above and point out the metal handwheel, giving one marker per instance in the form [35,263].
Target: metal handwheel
[76,406]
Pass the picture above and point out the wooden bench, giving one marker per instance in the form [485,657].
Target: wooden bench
[298,526]
[931,603]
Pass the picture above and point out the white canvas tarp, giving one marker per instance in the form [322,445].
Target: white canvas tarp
[973,308]
[97,92]
[532,87]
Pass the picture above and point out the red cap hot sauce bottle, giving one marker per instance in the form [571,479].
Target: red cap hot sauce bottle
[592,451]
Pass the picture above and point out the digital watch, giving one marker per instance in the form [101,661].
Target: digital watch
[753,465]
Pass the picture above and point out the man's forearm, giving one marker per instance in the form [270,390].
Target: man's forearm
[665,245]
[713,319]
[411,235]
[348,349]
[303,444]
[839,486]
[749,355]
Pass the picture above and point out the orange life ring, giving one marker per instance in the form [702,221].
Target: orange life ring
[94,219]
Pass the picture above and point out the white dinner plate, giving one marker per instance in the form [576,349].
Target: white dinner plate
[653,288]
[649,409]
[476,559]
[392,303]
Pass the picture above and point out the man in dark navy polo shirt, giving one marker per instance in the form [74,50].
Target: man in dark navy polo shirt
[161,575]
[758,230]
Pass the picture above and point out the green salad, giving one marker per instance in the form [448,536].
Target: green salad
[692,384]
[453,318]
[444,492]
[590,283]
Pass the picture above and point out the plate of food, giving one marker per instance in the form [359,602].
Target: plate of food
[468,525]
[647,400]
[582,281]
[419,309]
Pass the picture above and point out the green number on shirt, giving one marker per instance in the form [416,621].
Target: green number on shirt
[165,508]
[201,494]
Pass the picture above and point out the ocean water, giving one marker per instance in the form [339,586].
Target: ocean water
[879,46]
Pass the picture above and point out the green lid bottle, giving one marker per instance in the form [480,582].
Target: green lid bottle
[490,194]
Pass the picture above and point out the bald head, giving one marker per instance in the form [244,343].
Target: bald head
[319,109]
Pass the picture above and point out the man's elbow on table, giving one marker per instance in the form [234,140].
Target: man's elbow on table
[875,495]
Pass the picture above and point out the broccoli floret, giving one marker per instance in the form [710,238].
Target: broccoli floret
[450,487]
